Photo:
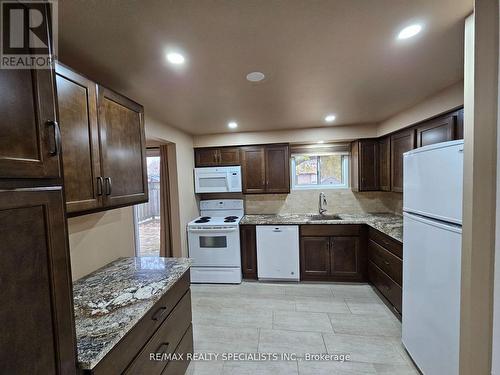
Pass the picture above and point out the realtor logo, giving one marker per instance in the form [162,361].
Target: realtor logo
[25,42]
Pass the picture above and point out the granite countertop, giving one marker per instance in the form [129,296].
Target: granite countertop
[387,223]
[111,300]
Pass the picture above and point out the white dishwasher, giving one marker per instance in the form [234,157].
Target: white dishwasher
[278,252]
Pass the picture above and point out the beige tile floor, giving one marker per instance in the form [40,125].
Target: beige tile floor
[296,318]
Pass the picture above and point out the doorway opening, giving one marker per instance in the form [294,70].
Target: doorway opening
[147,216]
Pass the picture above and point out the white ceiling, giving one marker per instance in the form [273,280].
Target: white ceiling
[319,56]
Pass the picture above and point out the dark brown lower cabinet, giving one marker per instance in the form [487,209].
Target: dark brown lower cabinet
[248,247]
[385,285]
[165,329]
[385,267]
[38,334]
[314,257]
[332,253]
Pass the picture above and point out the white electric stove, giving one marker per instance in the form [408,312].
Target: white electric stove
[214,242]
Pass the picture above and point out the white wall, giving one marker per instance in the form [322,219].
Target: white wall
[445,100]
[100,238]
[326,133]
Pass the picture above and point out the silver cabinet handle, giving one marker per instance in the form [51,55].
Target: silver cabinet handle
[56,138]
[99,186]
[109,186]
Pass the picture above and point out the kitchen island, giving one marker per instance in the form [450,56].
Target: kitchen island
[127,309]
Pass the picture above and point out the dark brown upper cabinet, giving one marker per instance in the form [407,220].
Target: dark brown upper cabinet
[365,165]
[123,149]
[103,145]
[266,169]
[29,135]
[384,160]
[401,142]
[214,157]
[438,130]
[277,169]
[77,99]
[253,167]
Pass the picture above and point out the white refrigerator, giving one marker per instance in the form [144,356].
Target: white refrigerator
[432,238]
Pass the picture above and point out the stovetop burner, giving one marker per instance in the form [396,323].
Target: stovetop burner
[231,217]
[203,219]
[229,220]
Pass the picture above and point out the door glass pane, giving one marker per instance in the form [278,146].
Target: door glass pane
[147,215]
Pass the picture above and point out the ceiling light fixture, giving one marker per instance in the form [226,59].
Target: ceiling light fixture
[320,142]
[330,118]
[232,125]
[410,31]
[255,76]
[175,58]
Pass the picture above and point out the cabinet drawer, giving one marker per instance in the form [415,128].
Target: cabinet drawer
[330,230]
[122,354]
[386,286]
[386,242]
[165,340]
[386,261]
[186,346]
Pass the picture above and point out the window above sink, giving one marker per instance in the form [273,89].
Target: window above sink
[317,170]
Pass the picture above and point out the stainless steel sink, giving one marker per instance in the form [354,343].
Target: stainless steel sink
[324,217]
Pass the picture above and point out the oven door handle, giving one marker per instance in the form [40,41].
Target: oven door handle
[221,230]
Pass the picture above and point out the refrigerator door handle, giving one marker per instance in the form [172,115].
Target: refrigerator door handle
[435,223]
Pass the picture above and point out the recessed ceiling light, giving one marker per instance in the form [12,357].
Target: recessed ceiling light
[410,31]
[330,118]
[175,58]
[232,125]
[255,76]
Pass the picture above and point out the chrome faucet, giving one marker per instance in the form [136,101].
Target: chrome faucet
[322,203]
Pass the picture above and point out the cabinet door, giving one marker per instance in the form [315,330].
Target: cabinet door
[277,169]
[206,157]
[248,251]
[400,143]
[345,257]
[368,165]
[438,130]
[314,257]
[29,134]
[80,139]
[123,149]
[229,156]
[37,312]
[253,169]
[384,157]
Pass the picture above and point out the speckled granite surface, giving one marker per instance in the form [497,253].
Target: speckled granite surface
[111,300]
[390,224]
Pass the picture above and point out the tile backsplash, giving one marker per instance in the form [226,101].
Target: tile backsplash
[339,201]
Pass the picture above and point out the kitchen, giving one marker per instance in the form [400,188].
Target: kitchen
[296,186]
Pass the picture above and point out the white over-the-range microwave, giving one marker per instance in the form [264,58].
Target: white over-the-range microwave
[217,179]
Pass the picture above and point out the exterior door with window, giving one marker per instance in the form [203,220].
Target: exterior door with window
[147,215]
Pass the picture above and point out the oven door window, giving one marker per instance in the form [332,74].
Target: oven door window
[213,242]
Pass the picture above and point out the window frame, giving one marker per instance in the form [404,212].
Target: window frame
[345,172]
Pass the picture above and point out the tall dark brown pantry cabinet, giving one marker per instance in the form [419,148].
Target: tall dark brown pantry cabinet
[38,335]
